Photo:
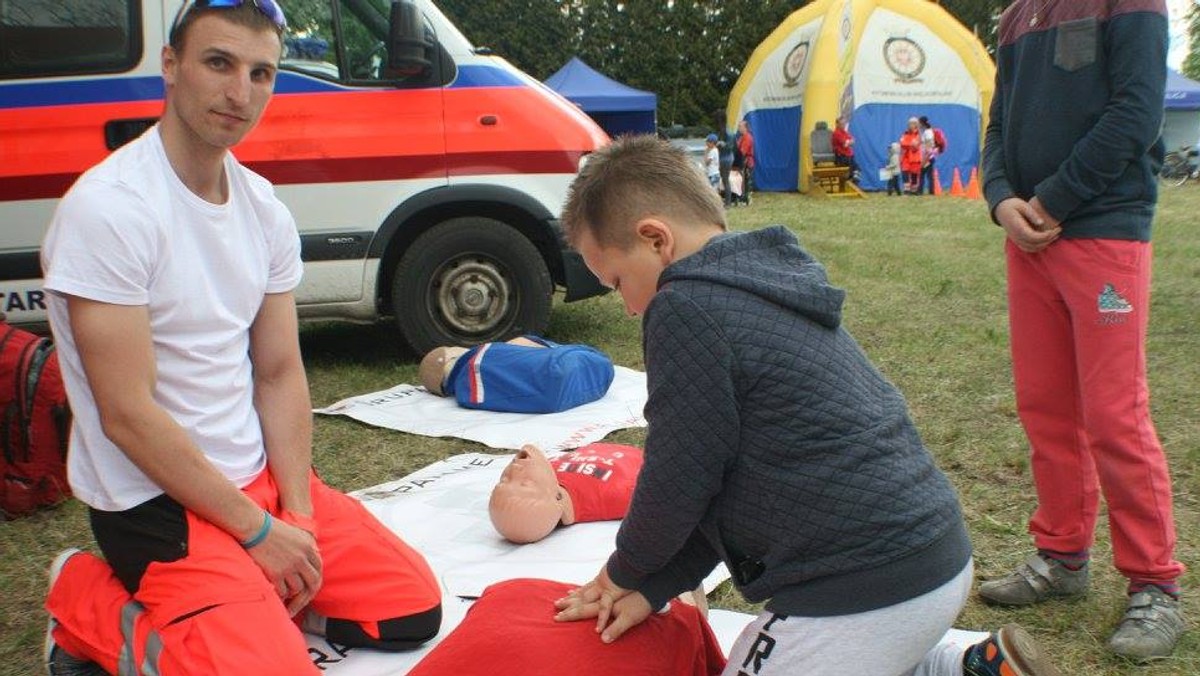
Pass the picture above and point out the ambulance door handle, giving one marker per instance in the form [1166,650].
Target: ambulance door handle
[119,132]
[488,120]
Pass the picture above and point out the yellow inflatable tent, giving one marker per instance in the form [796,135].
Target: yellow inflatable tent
[881,62]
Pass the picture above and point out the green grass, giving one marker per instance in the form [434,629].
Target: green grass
[925,282]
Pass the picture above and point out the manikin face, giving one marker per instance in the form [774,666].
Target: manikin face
[526,503]
[530,472]
[633,274]
[219,83]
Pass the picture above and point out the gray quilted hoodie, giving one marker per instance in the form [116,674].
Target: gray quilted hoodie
[776,446]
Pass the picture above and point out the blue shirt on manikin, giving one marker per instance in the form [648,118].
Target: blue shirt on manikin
[524,379]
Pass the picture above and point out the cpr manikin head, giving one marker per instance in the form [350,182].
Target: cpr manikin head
[436,365]
[438,362]
[527,503]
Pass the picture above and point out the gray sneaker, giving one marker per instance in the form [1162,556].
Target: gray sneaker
[1037,579]
[1151,626]
[58,661]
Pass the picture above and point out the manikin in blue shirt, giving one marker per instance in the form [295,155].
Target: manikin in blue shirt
[524,375]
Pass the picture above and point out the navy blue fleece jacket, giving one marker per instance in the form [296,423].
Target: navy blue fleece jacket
[1078,111]
[775,445]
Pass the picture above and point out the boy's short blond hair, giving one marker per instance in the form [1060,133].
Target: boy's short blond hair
[632,178]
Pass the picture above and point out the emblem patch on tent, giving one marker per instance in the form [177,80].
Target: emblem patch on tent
[904,57]
[793,64]
[1112,302]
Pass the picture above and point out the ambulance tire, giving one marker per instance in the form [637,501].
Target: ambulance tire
[470,280]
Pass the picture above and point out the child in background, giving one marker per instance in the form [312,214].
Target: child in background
[892,169]
[774,445]
[737,186]
[712,162]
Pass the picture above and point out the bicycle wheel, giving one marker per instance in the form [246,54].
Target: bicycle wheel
[1175,170]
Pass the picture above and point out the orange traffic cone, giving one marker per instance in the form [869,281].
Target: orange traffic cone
[956,188]
[973,192]
[937,183]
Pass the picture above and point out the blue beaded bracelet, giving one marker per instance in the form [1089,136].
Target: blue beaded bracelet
[261,534]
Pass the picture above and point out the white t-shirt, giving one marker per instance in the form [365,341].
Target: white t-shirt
[712,162]
[130,233]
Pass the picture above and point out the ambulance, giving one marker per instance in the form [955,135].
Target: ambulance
[426,175]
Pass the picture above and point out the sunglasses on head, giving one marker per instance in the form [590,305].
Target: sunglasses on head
[269,9]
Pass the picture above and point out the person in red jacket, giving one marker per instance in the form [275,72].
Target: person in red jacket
[843,147]
[745,150]
[912,158]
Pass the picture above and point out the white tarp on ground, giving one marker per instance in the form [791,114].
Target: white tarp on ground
[411,408]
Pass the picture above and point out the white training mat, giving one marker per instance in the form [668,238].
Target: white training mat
[411,408]
[441,510]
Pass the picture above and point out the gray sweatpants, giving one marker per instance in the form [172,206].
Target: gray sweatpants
[889,641]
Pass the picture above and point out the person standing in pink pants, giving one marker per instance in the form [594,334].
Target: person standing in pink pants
[1069,162]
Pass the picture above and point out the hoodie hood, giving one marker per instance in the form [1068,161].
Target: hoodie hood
[768,263]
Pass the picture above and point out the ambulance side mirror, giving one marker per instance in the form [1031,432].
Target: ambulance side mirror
[408,46]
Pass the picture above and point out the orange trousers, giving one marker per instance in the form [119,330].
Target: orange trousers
[214,612]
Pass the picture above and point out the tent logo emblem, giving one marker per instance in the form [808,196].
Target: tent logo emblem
[904,57]
[793,64]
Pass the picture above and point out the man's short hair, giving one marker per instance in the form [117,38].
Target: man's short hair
[246,14]
[632,178]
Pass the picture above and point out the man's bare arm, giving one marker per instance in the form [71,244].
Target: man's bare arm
[282,400]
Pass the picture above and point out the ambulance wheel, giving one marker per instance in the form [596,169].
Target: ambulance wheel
[467,281]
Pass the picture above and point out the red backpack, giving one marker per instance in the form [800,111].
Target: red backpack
[939,140]
[35,420]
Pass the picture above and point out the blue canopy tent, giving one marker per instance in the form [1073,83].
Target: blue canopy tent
[617,108]
[1181,124]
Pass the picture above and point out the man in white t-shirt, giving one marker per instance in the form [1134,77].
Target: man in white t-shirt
[171,270]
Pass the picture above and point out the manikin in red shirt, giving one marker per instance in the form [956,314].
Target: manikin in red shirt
[535,494]
[511,629]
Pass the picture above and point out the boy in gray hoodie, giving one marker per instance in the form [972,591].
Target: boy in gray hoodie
[774,444]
